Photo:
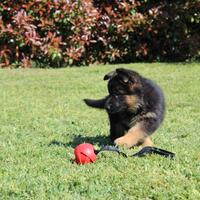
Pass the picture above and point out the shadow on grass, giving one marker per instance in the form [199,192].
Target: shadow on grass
[95,140]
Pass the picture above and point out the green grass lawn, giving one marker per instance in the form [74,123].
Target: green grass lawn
[43,117]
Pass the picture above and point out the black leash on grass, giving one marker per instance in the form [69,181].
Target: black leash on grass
[143,152]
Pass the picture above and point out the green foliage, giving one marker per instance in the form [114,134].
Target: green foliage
[60,32]
[43,118]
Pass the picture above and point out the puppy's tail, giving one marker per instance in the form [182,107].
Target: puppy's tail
[100,103]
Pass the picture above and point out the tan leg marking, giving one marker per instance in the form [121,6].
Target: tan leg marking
[147,142]
[135,136]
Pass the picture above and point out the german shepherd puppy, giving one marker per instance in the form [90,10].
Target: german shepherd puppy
[135,106]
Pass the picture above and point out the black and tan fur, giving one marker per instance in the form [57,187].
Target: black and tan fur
[135,106]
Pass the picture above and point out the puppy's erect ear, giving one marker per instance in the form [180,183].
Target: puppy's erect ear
[110,75]
[123,71]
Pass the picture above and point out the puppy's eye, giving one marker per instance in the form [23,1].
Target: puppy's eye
[126,81]
[130,81]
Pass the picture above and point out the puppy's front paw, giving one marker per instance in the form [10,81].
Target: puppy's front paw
[124,142]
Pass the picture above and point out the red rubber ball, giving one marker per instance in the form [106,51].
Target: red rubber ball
[84,153]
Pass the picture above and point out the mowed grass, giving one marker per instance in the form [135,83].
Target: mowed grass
[43,117]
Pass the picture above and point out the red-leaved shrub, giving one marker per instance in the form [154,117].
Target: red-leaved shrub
[68,32]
